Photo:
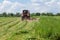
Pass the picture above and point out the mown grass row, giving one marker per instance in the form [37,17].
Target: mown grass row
[3,19]
[4,28]
[26,32]
[6,21]
[47,28]
[30,35]
[11,32]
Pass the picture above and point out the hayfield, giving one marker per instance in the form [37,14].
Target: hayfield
[47,28]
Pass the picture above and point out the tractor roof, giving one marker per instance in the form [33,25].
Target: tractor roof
[25,11]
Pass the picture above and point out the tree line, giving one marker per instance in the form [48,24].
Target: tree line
[4,14]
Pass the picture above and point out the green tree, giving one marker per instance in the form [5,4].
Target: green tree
[4,14]
[18,14]
[11,15]
[33,14]
[37,14]
[44,14]
[58,14]
[50,14]
[1,15]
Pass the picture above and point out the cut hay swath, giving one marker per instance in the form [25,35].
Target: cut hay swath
[46,28]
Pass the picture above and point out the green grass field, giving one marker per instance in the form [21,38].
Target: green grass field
[47,28]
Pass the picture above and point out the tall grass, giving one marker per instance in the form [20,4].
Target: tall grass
[46,28]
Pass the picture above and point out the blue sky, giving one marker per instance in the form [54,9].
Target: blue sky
[32,5]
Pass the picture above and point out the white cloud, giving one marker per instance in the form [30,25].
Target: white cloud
[15,6]
[51,2]
[46,6]
[8,6]
[58,3]
[43,0]
[34,6]
[37,0]
[4,5]
[33,0]
[37,7]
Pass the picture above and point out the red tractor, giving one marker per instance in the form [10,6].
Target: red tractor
[25,14]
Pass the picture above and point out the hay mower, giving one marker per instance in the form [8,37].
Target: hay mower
[26,15]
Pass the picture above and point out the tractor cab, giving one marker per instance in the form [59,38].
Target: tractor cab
[25,14]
